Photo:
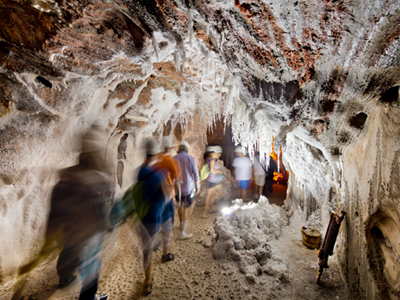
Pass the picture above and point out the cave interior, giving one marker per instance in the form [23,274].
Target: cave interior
[318,81]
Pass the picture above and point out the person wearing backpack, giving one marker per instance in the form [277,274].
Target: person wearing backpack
[154,201]
[189,187]
[214,178]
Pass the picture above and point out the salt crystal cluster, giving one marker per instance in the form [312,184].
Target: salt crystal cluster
[246,234]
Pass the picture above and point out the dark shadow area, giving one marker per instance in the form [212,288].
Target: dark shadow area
[278,195]
[381,251]
[358,120]
[44,81]
[391,95]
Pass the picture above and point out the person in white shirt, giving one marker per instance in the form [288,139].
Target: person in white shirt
[259,173]
[242,170]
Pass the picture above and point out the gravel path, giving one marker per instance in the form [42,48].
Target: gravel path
[194,274]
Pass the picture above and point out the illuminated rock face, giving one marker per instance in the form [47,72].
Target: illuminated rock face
[322,77]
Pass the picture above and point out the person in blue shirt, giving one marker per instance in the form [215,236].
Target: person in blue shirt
[149,227]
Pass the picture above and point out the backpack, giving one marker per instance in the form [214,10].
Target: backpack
[134,201]
[140,204]
[205,171]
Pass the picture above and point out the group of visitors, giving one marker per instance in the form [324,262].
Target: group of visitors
[167,178]
[243,173]
[79,218]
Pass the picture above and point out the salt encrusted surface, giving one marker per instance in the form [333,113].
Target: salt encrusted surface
[246,234]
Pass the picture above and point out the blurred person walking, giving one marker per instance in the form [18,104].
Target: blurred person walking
[154,189]
[214,178]
[269,180]
[189,187]
[167,164]
[242,170]
[78,216]
[259,173]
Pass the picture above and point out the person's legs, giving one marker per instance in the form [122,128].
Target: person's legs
[149,241]
[166,235]
[189,210]
[209,200]
[89,267]
[269,184]
[147,277]
[147,247]
[147,286]
[167,226]
[244,185]
[68,261]
[167,229]
[260,182]
[88,293]
[217,192]
[187,206]
[182,217]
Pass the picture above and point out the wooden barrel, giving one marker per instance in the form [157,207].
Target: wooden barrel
[311,237]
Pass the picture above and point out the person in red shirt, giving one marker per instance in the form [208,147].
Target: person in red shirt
[166,164]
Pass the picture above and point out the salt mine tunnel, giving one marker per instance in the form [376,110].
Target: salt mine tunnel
[319,79]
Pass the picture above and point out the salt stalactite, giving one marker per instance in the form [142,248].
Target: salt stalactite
[156,48]
[184,59]
[206,54]
[190,27]
[177,59]
[198,65]
[278,163]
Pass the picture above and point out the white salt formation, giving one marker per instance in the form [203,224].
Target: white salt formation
[246,234]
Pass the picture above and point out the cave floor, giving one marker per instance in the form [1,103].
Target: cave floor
[194,274]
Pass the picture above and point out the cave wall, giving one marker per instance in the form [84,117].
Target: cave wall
[371,179]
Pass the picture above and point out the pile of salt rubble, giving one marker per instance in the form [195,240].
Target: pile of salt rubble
[246,234]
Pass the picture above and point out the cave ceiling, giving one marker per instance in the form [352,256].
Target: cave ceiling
[319,64]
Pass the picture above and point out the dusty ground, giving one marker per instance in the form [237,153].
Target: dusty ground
[194,274]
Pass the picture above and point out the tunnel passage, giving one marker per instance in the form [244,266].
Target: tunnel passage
[383,249]
[221,134]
